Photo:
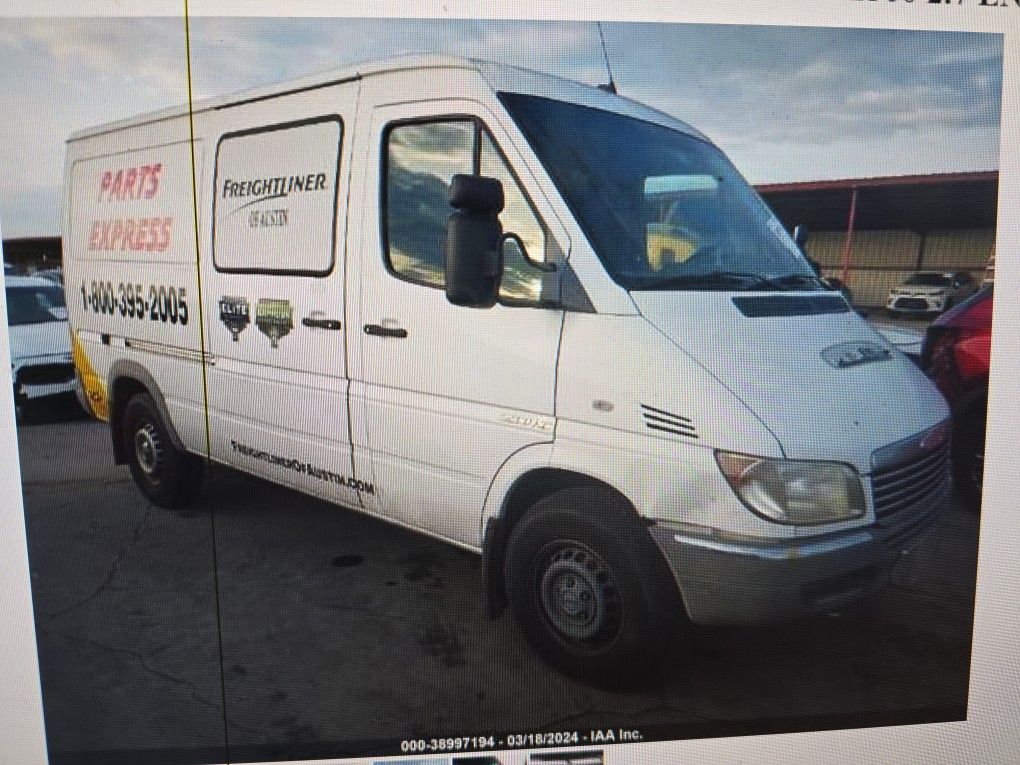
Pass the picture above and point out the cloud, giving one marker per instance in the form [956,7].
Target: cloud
[30,211]
[60,75]
[780,100]
[231,54]
[135,50]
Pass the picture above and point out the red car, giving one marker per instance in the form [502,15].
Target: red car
[955,354]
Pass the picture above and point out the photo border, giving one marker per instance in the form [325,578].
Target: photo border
[993,726]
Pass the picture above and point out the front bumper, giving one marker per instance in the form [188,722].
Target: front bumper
[44,376]
[746,582]
[916,303]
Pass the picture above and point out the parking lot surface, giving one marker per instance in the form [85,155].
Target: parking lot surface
[343,634]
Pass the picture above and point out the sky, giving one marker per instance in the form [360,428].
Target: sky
[786,104]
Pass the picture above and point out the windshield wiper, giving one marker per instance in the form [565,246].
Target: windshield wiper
[796,281]
[735,280]
[716,280]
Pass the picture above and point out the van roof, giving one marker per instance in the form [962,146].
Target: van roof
[499,76]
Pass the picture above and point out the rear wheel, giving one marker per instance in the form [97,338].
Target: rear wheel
[166,475]
[590,588]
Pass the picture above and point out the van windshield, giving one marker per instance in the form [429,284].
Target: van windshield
[664,210]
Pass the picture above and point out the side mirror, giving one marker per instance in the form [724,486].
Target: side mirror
[473,247]
[800,236]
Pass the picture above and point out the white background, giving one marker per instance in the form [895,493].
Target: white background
[992,732]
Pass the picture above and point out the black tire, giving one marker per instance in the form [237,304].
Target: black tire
[169,477]
[969,455]
[589,587]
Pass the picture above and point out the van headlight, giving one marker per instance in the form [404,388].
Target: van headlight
[794,491]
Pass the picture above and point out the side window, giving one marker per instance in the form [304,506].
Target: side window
[275,198]
[521,280]
[421,160]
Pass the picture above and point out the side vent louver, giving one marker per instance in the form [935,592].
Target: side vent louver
[677,424]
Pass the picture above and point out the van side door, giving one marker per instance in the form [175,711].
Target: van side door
[273,292]
[448,393]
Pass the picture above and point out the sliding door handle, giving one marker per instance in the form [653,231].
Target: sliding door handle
[380,331]
[321,322]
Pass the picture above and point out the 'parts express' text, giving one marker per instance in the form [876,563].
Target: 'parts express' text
[117,233]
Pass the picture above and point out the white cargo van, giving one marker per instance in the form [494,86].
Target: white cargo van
[527,316]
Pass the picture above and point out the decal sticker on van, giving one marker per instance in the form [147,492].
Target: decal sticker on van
[262,189]
[93,386]
[265,189]
[163,303]
[302,467]
[851,354]
[151,234]
[528,422]
[274,318]
[133,207]
[235,314]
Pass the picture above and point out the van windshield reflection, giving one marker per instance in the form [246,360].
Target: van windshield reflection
[664,210]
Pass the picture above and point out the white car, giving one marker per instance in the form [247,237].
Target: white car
[929,292]
[52,275]
[41,363]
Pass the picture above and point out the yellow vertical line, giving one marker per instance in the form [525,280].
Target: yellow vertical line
[205,382]
[198,258]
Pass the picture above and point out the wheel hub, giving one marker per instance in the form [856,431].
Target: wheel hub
[577,593]
[148,449]
[573,594]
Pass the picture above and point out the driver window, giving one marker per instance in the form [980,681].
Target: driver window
[521,280]
[421,160]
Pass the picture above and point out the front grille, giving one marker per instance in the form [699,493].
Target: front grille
[46,374]
[910,483]
[911,304]
[904,534]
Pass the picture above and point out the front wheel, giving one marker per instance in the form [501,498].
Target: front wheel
[589,587]
[166,475]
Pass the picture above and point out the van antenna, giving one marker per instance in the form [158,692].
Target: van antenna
[609,87]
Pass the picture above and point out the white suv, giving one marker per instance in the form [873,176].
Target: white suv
[929,292]
[41,363]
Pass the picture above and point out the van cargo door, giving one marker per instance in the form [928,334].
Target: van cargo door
[274,291]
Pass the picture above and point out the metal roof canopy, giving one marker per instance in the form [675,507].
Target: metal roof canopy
[32,248]
[917,203]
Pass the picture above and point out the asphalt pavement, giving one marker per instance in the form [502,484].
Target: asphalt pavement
[341,634]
